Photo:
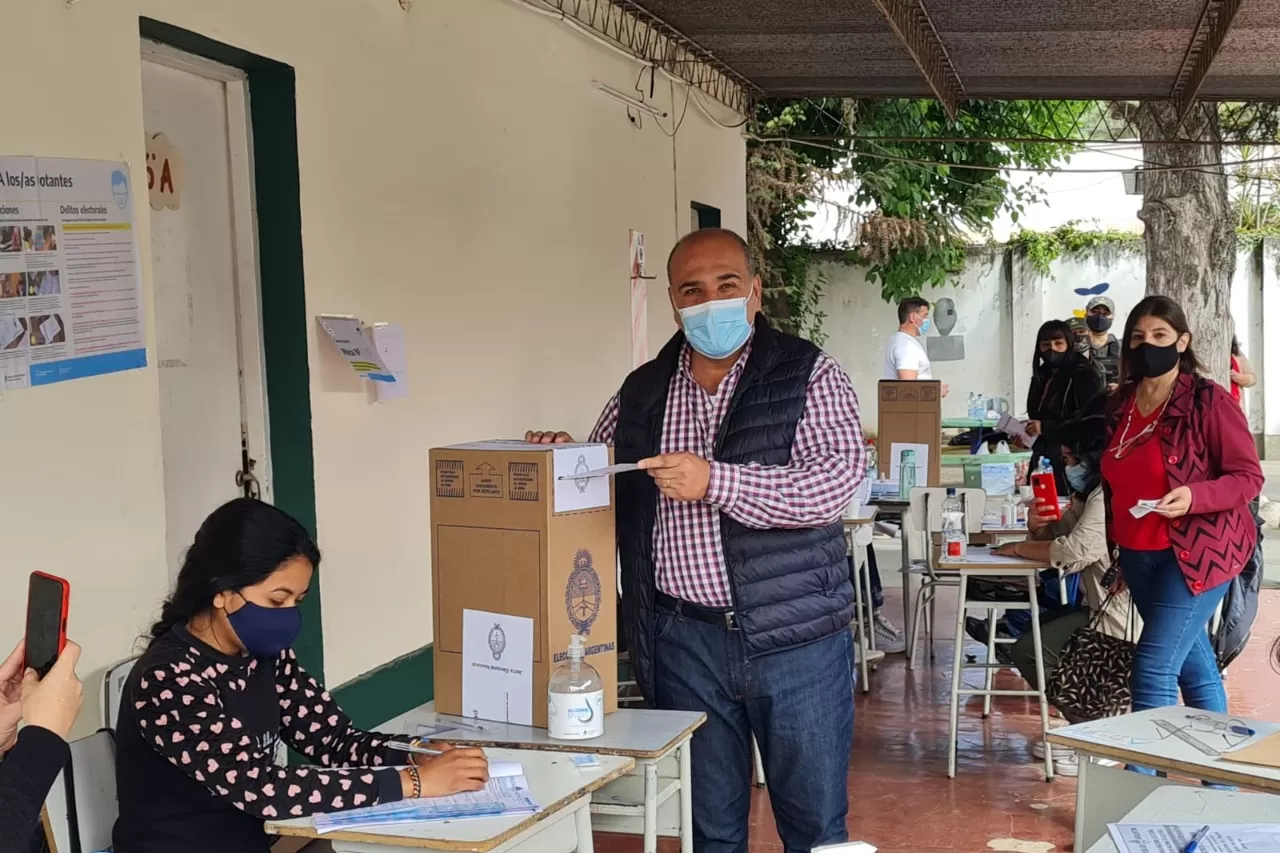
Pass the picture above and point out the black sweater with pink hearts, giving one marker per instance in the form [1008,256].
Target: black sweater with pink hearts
[196,747]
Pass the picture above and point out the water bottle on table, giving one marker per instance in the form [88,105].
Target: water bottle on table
[955,539]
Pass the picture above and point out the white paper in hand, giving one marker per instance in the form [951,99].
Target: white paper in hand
[607,471]
[1144,508]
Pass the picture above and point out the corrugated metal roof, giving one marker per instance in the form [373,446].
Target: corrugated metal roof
[1105,49]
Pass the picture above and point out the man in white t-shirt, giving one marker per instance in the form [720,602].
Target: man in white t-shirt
[905,356]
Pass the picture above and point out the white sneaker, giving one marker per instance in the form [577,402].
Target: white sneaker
[1065,760]
[888,638]
[1037,749]
[874,656]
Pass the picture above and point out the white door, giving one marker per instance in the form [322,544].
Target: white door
[208,335]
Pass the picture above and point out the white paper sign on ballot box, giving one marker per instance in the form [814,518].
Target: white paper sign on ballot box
[497,667]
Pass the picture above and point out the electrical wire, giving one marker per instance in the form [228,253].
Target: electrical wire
[774,140]
[577,26]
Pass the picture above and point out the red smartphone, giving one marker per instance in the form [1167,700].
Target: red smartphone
[48,599]
[1045,488]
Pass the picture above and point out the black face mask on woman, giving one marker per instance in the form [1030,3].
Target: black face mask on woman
[1150,361]
[1053,358]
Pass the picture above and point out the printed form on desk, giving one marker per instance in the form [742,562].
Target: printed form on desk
[506,793]
[1174,837]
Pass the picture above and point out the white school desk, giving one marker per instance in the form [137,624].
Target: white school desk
[1106,794]
[1197,805]
[563,826]
[640,803]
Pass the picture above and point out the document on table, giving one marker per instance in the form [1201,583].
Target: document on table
[985,557]
[1174,837]
[506,793]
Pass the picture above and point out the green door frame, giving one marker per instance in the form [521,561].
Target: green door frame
[274,129]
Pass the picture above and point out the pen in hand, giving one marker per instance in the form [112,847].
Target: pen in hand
[1194,844]
[415,748]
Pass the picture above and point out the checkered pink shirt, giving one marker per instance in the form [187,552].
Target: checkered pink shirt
[828,460]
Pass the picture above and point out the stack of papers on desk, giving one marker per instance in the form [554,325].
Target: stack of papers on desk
[1174,837]
[506,793]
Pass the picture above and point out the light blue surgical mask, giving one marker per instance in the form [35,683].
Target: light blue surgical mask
[925,325]
[1078,477]
[718,327]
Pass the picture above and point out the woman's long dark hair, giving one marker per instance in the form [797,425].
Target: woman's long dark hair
[1086,438]
[1164,308]
[1051,331]
[240,544]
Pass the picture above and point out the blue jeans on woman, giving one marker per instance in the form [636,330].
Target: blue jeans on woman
[1173,651]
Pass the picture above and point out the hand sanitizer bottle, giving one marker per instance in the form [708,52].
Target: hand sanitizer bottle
[575,697]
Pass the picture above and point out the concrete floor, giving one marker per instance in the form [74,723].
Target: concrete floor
[900,798]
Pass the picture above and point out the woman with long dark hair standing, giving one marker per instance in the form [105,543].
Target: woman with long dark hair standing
[219,688]
[1178,440]
[1063,384]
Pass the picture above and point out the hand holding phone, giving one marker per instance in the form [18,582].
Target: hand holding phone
[54,701]
[11,673]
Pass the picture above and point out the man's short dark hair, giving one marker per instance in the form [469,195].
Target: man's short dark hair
[909,306]
[706,233]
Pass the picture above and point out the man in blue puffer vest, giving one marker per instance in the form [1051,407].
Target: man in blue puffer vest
[736,598]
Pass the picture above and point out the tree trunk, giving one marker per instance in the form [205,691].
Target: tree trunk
[1190,234]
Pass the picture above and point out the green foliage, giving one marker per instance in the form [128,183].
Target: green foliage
[897,175]
[1042,248]
[804,288]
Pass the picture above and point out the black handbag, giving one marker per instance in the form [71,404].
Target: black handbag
[1091,680]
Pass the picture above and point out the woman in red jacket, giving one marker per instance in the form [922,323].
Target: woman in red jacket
[1180,444]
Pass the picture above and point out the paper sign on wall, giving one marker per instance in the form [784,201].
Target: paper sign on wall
[639,302]
[577,494]
[497,667]
[388,338]
[353,340]
[70,287]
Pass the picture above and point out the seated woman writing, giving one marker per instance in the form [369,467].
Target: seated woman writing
[218,689]
[1078,544]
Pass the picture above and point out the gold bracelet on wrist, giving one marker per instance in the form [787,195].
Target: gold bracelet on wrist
[417,782]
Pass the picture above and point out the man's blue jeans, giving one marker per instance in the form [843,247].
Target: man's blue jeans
[799,705]
[1174,651]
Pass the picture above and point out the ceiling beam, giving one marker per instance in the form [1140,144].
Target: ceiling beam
[1211,30]
[911,23]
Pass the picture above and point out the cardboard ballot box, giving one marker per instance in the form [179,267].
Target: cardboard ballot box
[519,558]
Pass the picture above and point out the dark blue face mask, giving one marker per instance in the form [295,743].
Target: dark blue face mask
[265,631]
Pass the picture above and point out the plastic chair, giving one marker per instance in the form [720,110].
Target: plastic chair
[81,806]
[113,683]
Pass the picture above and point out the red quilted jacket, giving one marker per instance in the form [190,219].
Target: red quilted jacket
[1207,446]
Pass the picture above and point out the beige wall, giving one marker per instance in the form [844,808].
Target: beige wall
[459,176]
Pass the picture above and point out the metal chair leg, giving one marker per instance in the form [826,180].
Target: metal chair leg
[990,675]
[956,665]
[1040,680]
